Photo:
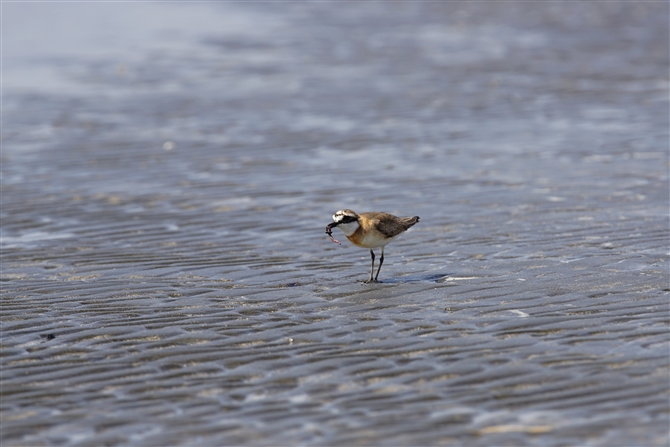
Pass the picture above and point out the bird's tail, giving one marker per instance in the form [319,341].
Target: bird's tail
[409,221]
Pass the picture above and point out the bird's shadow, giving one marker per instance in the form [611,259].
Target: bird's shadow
[434,277]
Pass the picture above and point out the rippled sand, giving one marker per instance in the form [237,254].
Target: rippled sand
[168,172]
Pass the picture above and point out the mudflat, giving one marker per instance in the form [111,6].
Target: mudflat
[168,170]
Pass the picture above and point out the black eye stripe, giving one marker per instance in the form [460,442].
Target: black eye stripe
[347,219]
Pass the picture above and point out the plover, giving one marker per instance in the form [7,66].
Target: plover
[370,230]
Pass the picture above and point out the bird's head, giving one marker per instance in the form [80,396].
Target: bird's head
[346,219]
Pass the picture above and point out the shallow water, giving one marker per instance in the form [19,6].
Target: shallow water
[168,172]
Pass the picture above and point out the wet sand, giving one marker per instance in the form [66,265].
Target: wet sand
[168,171]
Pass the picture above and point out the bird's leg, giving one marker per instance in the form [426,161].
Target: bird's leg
[372,267]
[381,261]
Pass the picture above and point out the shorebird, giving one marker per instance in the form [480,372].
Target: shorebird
[370,230]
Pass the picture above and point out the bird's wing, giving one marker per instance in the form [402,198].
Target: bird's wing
[388,225]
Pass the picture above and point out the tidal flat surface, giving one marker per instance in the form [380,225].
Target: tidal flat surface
[168,170]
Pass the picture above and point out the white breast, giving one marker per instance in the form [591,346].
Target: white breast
[348,228]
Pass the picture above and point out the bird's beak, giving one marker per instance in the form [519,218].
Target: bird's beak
[332,225]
